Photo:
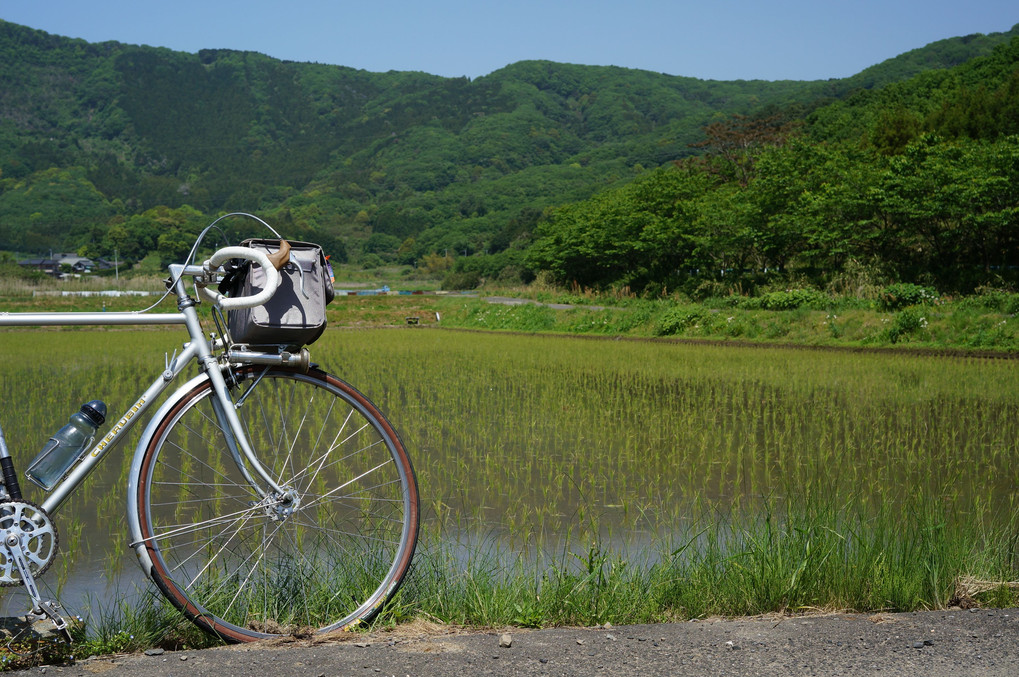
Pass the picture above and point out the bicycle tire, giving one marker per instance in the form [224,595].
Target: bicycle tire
[244,569]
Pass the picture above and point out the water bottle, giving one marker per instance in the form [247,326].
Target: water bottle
[67,445]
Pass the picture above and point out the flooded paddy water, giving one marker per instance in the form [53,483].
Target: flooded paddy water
[536,444]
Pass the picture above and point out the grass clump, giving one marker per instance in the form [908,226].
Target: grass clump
[786,560]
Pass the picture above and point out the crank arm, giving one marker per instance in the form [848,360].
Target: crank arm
[41,607]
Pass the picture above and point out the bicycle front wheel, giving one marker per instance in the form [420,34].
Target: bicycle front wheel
[244,565]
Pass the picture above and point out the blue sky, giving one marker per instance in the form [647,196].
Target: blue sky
[712,39]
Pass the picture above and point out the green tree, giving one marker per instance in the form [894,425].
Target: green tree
[637,235]
[921,193]
[735,143]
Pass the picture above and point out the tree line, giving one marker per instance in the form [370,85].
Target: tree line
[943,213]
[918,182]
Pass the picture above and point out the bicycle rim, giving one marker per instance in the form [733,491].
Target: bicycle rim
[245,566]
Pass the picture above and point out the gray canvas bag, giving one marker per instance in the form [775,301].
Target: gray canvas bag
[296,314]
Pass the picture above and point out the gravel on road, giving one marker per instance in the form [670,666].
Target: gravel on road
[934,644]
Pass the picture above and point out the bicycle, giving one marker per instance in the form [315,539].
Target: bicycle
[265,496]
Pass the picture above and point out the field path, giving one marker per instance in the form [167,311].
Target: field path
[934,644]
[511,301]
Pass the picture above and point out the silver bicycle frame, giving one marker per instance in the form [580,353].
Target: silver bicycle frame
[197,348]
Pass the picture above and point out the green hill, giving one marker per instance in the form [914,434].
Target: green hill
[109,145]
[911,183]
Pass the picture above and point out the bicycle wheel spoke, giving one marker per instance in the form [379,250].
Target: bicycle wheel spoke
[353,536]
[202,463]
[177,530]
[211,560]
[289,439]
[261,553]
[320,461]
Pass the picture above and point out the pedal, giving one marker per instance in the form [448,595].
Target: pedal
[50,609]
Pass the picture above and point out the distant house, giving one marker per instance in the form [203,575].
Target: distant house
[48,266]
[78,264]
[53,264]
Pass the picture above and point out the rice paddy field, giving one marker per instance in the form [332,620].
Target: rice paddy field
[573,480]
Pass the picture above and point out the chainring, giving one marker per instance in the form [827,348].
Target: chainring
[33,529]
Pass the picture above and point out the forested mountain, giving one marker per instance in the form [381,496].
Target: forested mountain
[917,181]
[346,152]
[109,145]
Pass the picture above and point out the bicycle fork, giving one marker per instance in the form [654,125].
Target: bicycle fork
[237,440]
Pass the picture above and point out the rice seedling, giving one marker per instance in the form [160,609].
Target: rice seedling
[539,443]
[577,481]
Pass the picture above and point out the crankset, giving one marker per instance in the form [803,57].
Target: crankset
[26,527]
[28,546]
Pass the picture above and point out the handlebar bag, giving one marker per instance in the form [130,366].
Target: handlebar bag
[296,313]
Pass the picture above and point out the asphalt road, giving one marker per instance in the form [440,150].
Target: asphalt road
[933,644]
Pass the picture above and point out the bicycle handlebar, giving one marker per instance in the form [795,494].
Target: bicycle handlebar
[272,278]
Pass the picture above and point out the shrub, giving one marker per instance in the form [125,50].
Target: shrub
[678,320]
[907,322]
[369,261]
[994,299]
[466,280]
[791,299]
[903,294]
[12,271]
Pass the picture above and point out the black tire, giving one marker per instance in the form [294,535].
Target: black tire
[244,568]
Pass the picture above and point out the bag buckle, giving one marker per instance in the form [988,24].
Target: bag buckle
[293,262]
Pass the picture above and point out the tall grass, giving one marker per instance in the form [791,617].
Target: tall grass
[811,557]
[14,287]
